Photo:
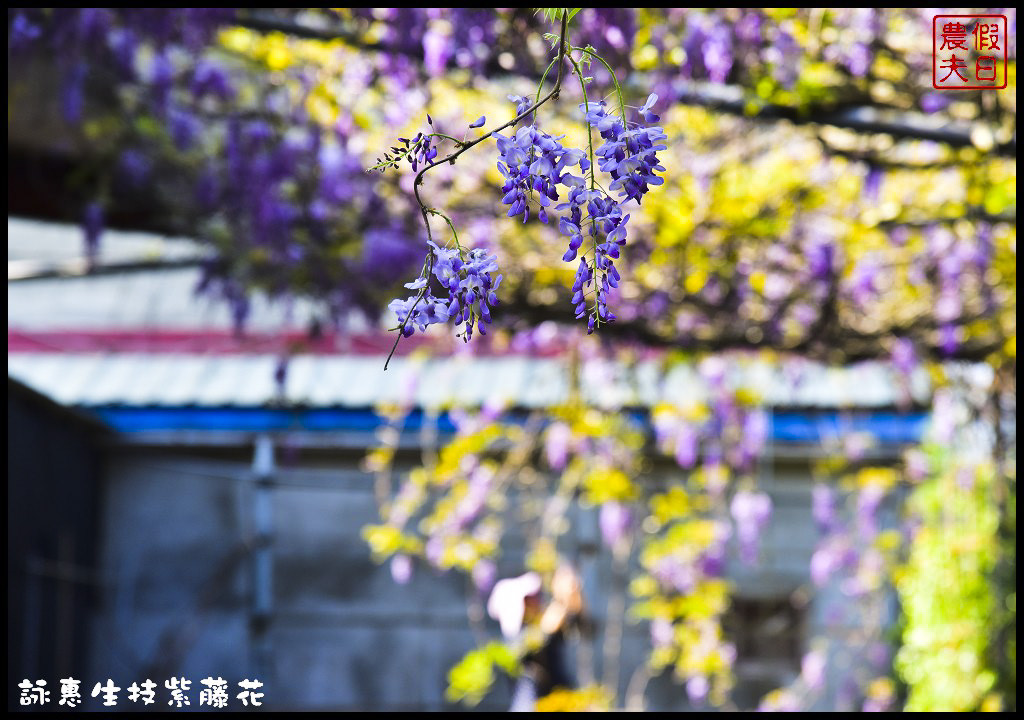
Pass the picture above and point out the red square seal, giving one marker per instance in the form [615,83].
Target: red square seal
[969,52]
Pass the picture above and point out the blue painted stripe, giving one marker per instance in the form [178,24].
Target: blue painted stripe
[888,427]
[787,426]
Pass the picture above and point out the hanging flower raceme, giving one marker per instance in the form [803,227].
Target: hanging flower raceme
[629,154]
[469,283]
[532,161]
[751,511]
[534,164]
[606,226]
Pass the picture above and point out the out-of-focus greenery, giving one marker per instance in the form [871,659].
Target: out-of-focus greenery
[953,608]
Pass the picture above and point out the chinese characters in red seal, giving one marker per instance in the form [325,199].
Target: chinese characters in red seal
[969,52]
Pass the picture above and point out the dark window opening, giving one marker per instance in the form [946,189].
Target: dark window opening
[769,637]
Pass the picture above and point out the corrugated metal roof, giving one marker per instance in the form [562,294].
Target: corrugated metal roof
[163,301]
[139,379]
[47,242]
[154,299]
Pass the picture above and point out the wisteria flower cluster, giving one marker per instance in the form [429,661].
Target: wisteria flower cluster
[417,151]
[534,161]
[538,168]
[470,286]
[629,155]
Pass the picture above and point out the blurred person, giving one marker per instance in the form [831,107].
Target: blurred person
[539,632]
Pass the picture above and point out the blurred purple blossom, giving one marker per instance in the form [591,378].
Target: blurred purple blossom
[823,508]
[751,510]
[662,632]
[209,78]
[754,436]
[161,79]
[917,465]
[864,287]
[904,358]
[433,551]
[717,52]
[856,444]
[92,229]
[686,445]
[934,102]
[712,562]
[615,520]
[869,500]
[556,445]
[873,183]
[472,502]
[133,168]
[820,252]
[812,669]
[832,555]
[437,50]
[73,93]
[948,339]
[879,655]
[697,688]
[401,568]
[858,59]
[675,573]
[484,575]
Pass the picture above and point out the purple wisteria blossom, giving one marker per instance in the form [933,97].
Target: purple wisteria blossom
[823,508]
[687,445]
[607,227]
[676,573]
[712,561]
[533,163]
[209,78]
[401,569]
[472,503]
[868,503]
[92,226]
[522,103]
[470,285]
[697,689]
[662,632]
[556,445]
[485,573]
[831,556]
[812,669]
[751,511]
[904,357]
[615,520]
[629,153]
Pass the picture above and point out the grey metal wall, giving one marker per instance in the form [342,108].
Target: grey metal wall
[53,459]
[181,543]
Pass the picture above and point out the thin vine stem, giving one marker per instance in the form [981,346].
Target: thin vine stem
[447,137]
[540,86]
[451,225]
[615,80]
[593,179]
